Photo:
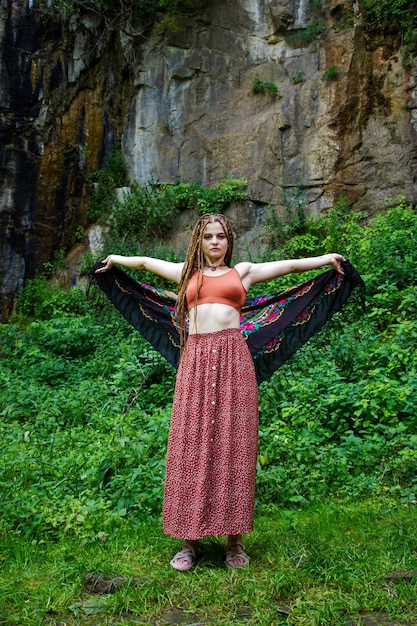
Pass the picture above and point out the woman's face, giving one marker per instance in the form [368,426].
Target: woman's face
[214,242]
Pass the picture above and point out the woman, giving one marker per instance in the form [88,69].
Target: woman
[212,446]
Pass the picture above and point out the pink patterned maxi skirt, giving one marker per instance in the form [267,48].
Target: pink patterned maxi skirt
[213,439]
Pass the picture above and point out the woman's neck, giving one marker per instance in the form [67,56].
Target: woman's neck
[214,267]
[214,263]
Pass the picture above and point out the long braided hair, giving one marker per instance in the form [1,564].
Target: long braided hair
[194,260]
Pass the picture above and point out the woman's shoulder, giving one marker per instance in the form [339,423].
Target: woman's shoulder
[243,268]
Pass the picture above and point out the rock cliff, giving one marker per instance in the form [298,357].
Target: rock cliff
[343,120]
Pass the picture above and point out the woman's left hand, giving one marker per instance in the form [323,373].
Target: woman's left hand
[336,261]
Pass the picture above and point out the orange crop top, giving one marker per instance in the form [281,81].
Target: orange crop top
[224,289]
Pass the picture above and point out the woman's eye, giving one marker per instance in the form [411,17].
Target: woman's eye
[219,236]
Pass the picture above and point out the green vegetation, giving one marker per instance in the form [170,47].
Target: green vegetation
[322,566]
[390,14]
[398,16]
[116,11]
[265,86]
[376,16]
[146,212]
[299,77]
[331,74]
[103,184]
[85,408]
[393,16]
[305,36]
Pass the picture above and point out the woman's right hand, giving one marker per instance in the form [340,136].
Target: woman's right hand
[109,262]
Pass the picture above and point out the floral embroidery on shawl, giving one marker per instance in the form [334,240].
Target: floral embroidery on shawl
[275,326]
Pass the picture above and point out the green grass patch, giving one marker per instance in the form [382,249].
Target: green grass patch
[320,565]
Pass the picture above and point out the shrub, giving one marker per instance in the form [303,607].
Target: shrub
[388,14]
[331,74]
[305,36]
[103,184]
[146,212]
[42,300]
[216,199]
[393,16]
[388,249]
[264,86]
[299,77]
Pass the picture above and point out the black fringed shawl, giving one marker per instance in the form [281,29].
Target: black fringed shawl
[275,326]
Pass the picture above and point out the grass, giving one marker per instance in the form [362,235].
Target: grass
[320,565]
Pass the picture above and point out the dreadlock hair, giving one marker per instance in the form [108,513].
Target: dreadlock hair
[195,261]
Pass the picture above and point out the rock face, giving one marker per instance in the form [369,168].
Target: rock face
[182,105]
[64,95]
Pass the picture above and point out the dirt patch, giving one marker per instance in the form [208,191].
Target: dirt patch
[99,584]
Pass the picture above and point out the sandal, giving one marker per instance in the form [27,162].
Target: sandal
[187,554]
[236,550]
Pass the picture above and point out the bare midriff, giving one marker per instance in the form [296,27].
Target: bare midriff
[211,317]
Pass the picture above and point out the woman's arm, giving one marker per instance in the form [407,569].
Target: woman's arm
[166,269]
[252,273]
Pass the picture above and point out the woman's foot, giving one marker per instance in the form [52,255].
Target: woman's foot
[235,552]
[185,558]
